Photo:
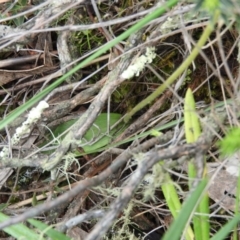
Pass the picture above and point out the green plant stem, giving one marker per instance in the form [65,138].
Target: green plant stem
[19,230]
[173,202]
[17,112]
[208,30]
[192,133]
[179,224]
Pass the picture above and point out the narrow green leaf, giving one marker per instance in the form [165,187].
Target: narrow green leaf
[192,133]
[179,224]
[173,202]
[52,233]
[19,231]
[171,196]
[224,231]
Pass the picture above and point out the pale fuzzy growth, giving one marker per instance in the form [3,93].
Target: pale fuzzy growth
[125,220]
[61,170]
[167,25]
[151,182]
[139,64]
[114,192]
[33,116]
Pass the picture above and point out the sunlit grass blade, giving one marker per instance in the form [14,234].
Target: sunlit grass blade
[192,133]
[179,224]
[173,202]
[192,127]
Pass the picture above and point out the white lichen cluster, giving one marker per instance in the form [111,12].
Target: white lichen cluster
[168,25]
[139,64]
[26,126]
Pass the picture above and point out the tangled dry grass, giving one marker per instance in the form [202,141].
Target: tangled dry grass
[112,190]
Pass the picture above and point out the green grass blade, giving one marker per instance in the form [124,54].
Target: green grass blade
[179,224]
[171,196]
[173,202]
[192,133]
[192,127]
[19,231]
[224,231]
[52,233]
